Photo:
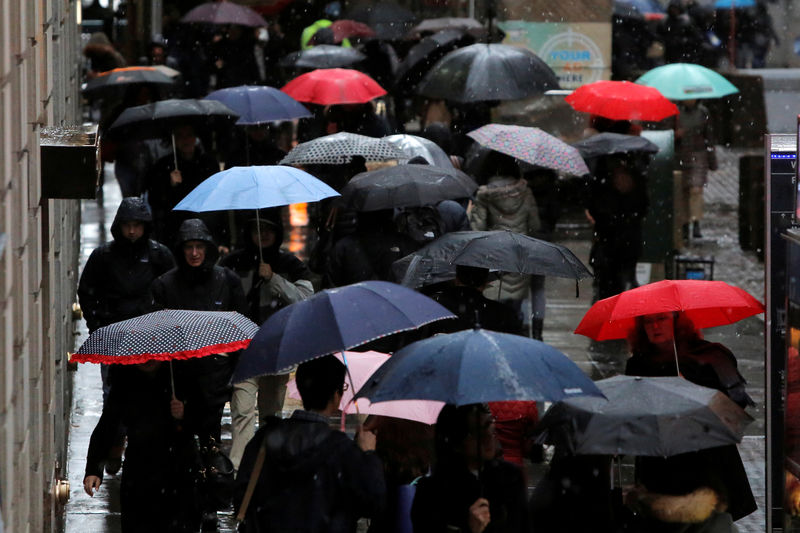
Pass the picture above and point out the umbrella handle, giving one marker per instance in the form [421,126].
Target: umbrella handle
[172,380]
[675,351]
[350,378]
[258,228]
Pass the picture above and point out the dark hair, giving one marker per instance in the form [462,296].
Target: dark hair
[453,426]
[497,164]
[683,330]
[472,276]
[317,380]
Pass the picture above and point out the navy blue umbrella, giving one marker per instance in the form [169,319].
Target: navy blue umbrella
[477,366]
[334,320]
[258,104]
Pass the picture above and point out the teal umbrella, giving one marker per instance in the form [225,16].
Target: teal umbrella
[687,81]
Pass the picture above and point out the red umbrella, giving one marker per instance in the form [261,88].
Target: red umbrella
[342,29]
[622,100]
[705,303]
[333,86]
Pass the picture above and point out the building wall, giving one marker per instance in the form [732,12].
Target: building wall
[39,77]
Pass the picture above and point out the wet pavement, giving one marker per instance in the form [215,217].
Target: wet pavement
[564,311]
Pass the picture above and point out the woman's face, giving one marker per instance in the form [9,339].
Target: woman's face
[659,327]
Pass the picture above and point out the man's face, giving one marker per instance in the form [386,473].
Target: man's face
[132,229]
[185,140]
[266,238]
[659,327]
[194,252]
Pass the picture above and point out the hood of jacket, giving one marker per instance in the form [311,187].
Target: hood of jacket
[272,220]
[132,209]
[195,229]
[504,193]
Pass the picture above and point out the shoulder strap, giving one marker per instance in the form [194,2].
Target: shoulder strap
[251,483]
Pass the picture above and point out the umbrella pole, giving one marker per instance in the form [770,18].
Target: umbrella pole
[172,379]
[350,378]
[675,351]
[258,228]
[174,152]
[246,146]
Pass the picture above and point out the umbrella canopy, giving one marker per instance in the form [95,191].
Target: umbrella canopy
[390,21]
[687,81]
[484,72]
[653,416]
[496,250]
[342,29]
[259,104]
[334,320]
[477,366]
[361,365]
[423,55]
[406,186]
[255,187]
[531,145]
[112,80]
[156,120]
[736,4]
[340,148]
[415,146]
[434,25]
[613,143]
[225,13]
[166,335]
[323,56]
[648,9]
[333,86]
[621,100]
[705,303]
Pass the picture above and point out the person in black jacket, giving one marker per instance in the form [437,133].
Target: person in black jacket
[314,479]
[198,284]
[157,490]
[272,279]
[114,283]
[469,491]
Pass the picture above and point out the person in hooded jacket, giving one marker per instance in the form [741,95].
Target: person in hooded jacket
[313,478]
[272,279]
[197,283]
[114,283]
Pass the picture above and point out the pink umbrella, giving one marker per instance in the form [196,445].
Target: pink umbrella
[362,365]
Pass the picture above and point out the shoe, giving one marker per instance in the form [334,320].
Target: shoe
[696,230]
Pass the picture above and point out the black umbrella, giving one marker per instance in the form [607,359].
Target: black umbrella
[650,416]
[119,78]
[487,72]
[613,143]
[390,21]
[496,250]
[423,55]
[156,120]
[406,186]
[467,24]
[323,56]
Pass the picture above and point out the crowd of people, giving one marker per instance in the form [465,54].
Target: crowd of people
[298,474]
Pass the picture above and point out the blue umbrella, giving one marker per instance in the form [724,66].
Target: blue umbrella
[477,366]
[727,4]
[334,320]
[255,187]
[257,104]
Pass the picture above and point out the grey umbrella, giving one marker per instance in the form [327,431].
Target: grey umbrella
[649,416]
[340,148]
[613,143]
[323,56]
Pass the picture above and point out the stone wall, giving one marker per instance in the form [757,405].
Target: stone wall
[39,243]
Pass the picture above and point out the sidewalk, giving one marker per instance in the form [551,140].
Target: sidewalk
[564,311]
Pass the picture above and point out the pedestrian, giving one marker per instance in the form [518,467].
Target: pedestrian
[469,489]
[668,344]
[506,202]
[174,176]
[158,489]
[310,477]
[615,203]
[198,284]
[233,56]
[681,37]
[360,119]
[115,281]
[696,155]
[369,252]
[272,279]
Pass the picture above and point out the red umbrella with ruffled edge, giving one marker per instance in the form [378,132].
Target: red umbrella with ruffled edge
[167,335]
[333,86]
[622,100]
[705,303]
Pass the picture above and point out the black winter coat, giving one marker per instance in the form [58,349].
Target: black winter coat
[367,255]
[442,500]
[114,283]
[470,305]
[315,479]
